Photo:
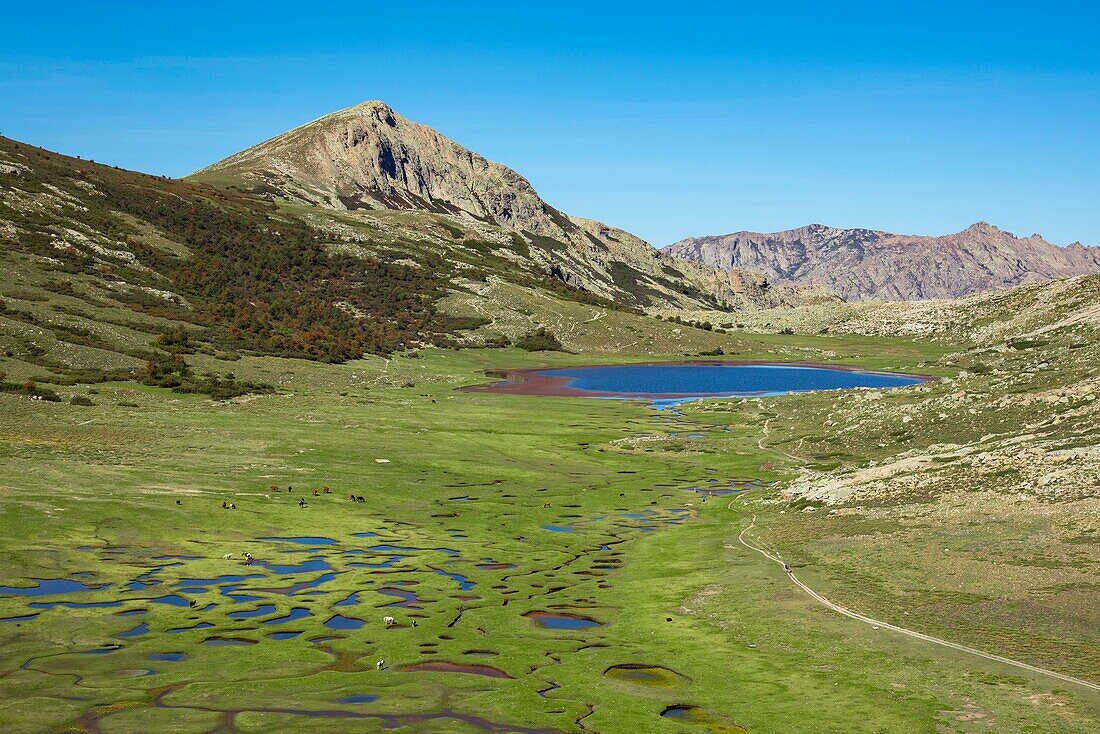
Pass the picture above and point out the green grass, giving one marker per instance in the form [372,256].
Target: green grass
[684,596]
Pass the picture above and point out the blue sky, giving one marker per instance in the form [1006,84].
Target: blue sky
[665,119]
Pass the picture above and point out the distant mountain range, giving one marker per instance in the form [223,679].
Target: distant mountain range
[862,264]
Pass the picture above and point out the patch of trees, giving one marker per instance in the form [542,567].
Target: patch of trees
[173,372]
[540,340]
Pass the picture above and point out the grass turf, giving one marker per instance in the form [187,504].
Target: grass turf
[127,495]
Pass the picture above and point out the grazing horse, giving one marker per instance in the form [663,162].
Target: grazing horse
[360,499]
[227,556]
[380,664]
[316,493]
[302,502]
[389,621]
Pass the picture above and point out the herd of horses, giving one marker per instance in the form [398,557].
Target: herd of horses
[316,493]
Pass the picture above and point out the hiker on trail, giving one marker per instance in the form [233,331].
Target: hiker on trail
[289,488]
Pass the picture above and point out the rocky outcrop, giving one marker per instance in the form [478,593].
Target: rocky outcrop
[861,264]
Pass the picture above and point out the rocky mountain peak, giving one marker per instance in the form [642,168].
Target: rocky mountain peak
[369,157]
[984,228]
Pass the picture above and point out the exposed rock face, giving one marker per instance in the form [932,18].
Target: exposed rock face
[861,264]
[369,157]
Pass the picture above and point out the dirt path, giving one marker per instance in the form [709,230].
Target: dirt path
[765,435]
[918,635]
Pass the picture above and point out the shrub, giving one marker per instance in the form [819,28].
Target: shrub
[30,389]
[540,340]
[176,339]
[498,342]
[81,400]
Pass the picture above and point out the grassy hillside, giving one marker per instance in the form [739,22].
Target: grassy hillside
[106,271]
[967,507]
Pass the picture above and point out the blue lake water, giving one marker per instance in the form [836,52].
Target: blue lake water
[340,622]
[303,540]
[714,380]
[46,587]
[168,657]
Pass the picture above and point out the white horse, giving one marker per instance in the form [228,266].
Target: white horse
[227,556]
[389,621]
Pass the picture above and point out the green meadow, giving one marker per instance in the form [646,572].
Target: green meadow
[549,564]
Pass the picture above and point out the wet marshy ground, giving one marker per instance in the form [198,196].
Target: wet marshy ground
[561,620]
[454,605]
[650,676]
[711,721]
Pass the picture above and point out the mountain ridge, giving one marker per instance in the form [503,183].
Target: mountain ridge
[865,264]
[368,157]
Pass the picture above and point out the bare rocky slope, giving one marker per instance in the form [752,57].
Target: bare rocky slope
[862,264]
[368,157]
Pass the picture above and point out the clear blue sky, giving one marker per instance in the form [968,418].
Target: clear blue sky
[667,119]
